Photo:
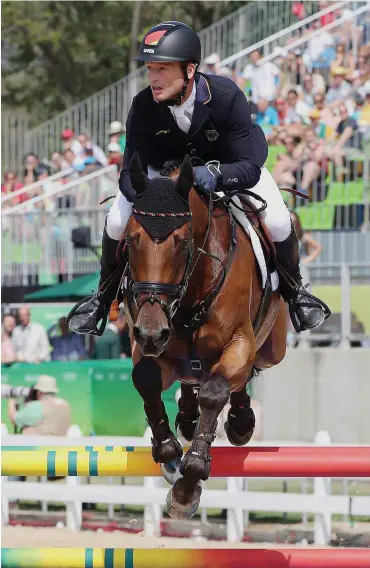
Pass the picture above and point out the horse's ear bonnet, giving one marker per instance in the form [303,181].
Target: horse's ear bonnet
[163,205]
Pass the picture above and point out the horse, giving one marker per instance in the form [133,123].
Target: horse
[192,294]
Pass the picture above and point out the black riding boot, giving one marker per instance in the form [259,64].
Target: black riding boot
[306,311]
[86,315]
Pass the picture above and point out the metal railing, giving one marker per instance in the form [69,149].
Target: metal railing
[292,38]
[250,24]
[51,195]
[33,189]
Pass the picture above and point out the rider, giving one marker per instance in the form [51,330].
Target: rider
[207,117]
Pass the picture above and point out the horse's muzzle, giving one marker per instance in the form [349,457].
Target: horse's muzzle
[152,342]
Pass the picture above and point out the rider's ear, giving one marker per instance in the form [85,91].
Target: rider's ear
[185,181]
[139,180]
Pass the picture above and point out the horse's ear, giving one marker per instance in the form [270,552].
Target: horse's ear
[139,180]
[185,181]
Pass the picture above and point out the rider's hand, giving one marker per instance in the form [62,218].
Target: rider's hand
[207,177]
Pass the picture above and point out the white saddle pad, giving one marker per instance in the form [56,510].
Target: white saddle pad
[256,244]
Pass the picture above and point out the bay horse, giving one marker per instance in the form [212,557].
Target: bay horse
[192,294]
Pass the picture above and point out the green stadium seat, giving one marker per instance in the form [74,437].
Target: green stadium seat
[316,216]
[347,193]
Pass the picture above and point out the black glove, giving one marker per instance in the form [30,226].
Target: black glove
[207,177]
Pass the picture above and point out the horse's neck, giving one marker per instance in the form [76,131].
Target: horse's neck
[208,270]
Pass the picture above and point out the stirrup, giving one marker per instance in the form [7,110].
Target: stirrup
[85,316]
[312,303]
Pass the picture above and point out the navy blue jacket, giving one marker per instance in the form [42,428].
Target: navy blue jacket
[221,129]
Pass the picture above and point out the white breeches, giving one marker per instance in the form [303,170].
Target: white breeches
[276,214]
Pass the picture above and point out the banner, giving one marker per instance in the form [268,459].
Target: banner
[103,399]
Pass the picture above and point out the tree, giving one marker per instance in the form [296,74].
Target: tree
[57,53]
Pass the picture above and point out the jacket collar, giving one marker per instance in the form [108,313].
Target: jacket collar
[201,110]
[203,93]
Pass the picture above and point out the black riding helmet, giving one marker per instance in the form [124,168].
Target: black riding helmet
[171,41]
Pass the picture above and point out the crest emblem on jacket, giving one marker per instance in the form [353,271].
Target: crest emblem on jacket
[212,135]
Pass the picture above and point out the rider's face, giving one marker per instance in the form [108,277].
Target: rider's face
[166,79]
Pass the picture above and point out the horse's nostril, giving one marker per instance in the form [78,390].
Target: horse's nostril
[165,335]
[137,334]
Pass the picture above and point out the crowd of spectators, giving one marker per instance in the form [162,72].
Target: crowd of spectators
[314,101]
[24,341]
[78,156]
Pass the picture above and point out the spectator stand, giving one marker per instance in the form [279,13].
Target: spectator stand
[337,175]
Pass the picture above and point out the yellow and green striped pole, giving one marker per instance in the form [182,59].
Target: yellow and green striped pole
[79,462]
[185,558]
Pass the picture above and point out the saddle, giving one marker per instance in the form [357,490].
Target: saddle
[259,226]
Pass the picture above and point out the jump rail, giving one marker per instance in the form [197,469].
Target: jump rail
[184,558]
[321,461]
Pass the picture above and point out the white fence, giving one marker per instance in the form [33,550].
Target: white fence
[236,498]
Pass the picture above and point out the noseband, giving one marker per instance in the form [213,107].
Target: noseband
[154,290]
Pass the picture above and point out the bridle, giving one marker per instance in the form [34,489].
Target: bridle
[173,292]
[154,290]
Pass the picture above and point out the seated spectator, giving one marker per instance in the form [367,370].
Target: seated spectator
[312,85]
[43,414]
[286,114]
[340,89]
[30,339]
[66,345]
[263,77]
[8,354]
[345,140]
[56,162]
[361,74]
[320,52]
[343,59]
[108,345]
[117,134]
[364,115]
[292,71]
[297,107]
[327,115]
[319,127]
[301,165]
[69,142]
[89,148]
[114,153]
[210,64]
[31,162]
[266,117]
[11,183]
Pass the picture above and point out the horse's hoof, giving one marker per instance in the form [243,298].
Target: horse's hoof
[171,470]
[239,426]
[167,451]
[179,505]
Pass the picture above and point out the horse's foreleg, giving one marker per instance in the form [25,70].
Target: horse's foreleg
[147,379]
[187,417]
[183,499]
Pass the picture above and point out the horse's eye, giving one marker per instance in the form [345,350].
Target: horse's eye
[186,244]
